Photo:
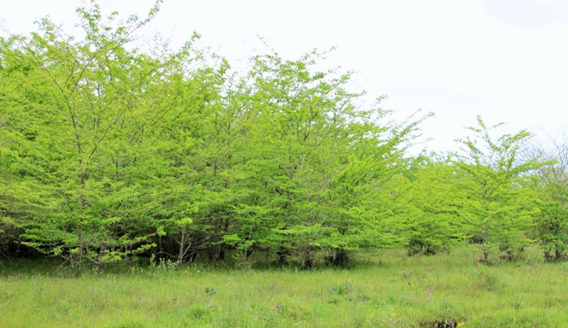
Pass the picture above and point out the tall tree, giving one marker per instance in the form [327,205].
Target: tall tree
[497,207]
[430,206]
[82,120]
[317,159]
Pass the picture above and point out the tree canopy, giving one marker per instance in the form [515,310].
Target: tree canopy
[110,150]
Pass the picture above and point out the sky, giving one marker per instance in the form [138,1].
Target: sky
[506,60]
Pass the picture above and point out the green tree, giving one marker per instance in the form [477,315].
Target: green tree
[551,184]
[109,149]
[83,123]
[317,160]
[497,207]
[430,206]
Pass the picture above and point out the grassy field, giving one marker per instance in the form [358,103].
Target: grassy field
[390,290]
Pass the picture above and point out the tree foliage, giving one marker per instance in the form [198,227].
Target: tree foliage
[551,185]
[110,149]
[498,208]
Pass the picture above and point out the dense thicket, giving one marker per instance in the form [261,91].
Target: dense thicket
[108,150]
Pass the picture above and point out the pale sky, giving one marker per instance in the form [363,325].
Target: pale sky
[506,60]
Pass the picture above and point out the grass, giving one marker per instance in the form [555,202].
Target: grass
[397,292]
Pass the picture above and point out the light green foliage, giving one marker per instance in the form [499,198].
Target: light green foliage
[317,162]
[497,207]
[83,121]
[110,150]
[553,222]
[551,184]
[114,154]
[430,205]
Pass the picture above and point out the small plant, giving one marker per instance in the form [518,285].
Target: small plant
[163,264]
[210,291]
[442,323]
[342,289]
[488,281]
[199,312]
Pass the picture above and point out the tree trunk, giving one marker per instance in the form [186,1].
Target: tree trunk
[282,256]
[341,258]
[181,250]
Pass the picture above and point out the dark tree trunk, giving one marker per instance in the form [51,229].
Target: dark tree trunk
[340,258]
[282,256]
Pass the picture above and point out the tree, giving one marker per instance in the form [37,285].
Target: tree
[317,161]
[430,205]
[551,185]
[109,149]
[83,121]
[497,207]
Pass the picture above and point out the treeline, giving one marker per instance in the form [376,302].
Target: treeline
[108,150]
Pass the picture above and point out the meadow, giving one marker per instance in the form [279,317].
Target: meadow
[387,289]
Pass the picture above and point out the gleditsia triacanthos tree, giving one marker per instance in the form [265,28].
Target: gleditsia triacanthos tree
[82,123]
[319,164]
[551,185]
[429,206]
[498,210]
[108,150]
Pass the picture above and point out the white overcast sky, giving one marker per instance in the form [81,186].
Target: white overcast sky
[506,60]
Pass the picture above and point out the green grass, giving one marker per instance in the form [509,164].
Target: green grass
[397,292]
